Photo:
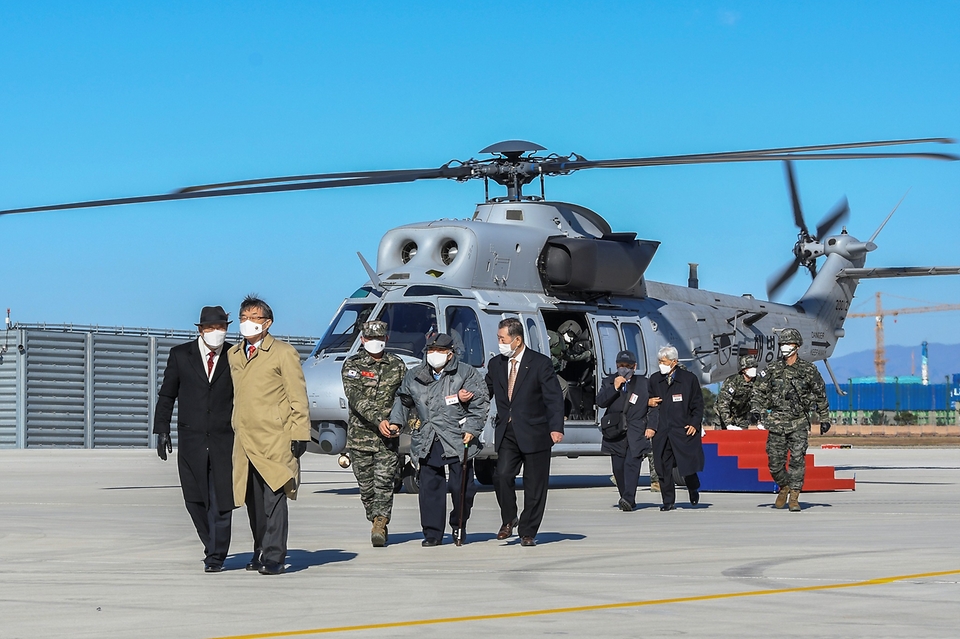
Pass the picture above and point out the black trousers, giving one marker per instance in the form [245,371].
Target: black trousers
[626,471]
[212,524]
[434,485]
[267,511]
[536,478]
[666,462]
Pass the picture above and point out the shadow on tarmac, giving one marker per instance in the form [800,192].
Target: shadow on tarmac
[297,559]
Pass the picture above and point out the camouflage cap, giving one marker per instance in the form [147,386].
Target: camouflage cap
[791,336]
[747,361]
[374,330]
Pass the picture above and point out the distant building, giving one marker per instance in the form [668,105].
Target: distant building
[898,400]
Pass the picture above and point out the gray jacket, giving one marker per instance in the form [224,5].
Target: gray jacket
[441,414]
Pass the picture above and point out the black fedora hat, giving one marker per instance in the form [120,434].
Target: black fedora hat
[213,315]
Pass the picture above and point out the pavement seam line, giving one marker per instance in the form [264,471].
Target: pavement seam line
[609,606]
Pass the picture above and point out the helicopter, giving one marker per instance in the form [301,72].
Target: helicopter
[562,270]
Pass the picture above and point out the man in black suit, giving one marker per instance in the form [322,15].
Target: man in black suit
[529,422]
[624,394]
[198,376]
[676,432]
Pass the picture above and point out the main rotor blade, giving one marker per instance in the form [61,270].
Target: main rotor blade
[776,282]
[839,212]
[795,199]
[333,180]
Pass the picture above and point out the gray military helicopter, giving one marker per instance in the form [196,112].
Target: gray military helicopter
[555,264]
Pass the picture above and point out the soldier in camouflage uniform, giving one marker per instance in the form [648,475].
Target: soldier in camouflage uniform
[370,380]
[784,395]
[733,402]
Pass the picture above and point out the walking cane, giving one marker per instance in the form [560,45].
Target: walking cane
[463,494]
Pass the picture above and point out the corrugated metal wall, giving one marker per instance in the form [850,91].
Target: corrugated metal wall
[86,387]
[903,397]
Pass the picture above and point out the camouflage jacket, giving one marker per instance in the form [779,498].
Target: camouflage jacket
[370,386]
[790,394]
[733,402]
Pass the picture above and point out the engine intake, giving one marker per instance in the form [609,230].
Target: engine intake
[588,267]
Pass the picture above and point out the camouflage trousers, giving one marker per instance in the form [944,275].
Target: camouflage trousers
[653,471]
[781,439]
[375,473]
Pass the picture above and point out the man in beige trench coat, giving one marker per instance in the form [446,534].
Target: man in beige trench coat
[271,422]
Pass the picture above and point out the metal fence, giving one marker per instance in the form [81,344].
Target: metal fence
[86,386]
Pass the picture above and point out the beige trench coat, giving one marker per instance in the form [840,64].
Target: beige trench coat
[269,411]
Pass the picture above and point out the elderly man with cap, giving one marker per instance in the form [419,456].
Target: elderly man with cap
[371,378]
[451,400]
[733,402]
[625,396]
[198,377]
[783,397]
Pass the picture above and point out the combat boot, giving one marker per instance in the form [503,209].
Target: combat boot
[655,487]
[794,501]
[378,534]
[782,498]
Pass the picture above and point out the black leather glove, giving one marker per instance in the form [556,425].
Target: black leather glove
[164,445]
[298,448]
[754,418]
[824,427]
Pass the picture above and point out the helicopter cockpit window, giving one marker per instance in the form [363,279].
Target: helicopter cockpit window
[463,326]
[408,324]
[344,329]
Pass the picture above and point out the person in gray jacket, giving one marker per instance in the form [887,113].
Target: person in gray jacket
[451,400]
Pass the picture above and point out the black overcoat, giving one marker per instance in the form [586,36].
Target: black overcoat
[682,405]
[536,409]
[637,415]
[203,421]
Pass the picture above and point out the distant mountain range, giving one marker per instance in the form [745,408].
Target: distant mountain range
[944,359]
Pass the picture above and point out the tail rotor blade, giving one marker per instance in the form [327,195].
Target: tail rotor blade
[776,282]
[839,212]
[795,198]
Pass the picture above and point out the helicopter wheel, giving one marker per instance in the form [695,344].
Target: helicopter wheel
[410,478]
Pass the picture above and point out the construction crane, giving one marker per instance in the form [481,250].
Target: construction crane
[879,355]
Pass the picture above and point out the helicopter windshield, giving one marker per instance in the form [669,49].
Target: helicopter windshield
[344,329]
[408,325]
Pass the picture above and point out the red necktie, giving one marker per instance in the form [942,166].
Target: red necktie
[210,357]
[250,350]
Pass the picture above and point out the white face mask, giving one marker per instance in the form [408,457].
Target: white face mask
[506,350]
[787,350]
[374,346]
[751,372]
[249,328]
[437,360]
[214,339]
[664,369]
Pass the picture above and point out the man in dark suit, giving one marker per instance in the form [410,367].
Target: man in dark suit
[198,376]
[529,422]
[625,394]
[676,432]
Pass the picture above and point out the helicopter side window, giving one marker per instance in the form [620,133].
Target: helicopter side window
[533,335]
[609,346]
[344,329]
[463,326]
[634,342]
[408,324]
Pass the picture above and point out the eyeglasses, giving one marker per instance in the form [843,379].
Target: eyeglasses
[244,318]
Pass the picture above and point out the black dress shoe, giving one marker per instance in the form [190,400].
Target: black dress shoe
[430,543]
[528,541]
[625,506]
[506,530]
[694,497]
[212,568]
[272,568]
[255,562]
[667,507]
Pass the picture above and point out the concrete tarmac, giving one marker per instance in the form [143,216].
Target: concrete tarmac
[97,543]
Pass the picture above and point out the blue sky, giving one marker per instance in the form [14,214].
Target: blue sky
[113,99]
